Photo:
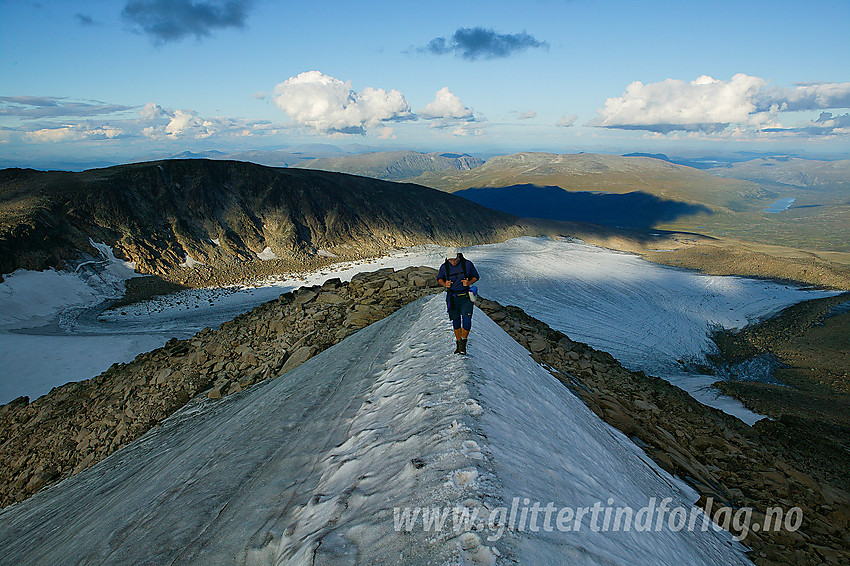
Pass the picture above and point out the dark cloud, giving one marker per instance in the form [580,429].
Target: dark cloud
[173,20]
[482,43]
[705,127]
[84,20]
[51,107]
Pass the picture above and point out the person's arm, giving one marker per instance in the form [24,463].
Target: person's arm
[442,277]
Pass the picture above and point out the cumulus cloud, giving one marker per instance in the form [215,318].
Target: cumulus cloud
[528,115]
[168,21]
[704,104]
[55,107]
[329,105]
[446,106]
[567,121]
[710,106]
[482,43]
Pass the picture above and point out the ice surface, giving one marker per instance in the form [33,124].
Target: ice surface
[34,362]
[308,468]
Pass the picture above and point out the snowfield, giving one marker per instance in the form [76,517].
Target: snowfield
[650,317]
[318,466]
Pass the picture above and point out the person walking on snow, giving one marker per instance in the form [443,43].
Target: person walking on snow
[457,275]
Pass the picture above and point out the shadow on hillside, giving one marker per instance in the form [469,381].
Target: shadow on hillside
[629,210]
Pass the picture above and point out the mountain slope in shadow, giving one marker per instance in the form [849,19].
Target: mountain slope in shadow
[632,210]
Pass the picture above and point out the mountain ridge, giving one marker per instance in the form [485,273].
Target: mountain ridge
[166,213]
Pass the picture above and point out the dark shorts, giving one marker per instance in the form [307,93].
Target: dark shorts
[460,306]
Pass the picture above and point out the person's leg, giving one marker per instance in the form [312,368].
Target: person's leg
[465,326]
[456,324]
[466,323]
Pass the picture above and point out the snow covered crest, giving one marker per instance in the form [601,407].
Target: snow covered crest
[307,468]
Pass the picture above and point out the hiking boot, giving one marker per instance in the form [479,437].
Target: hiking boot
[458,348]
[463,346]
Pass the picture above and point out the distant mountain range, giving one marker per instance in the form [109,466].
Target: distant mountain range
[394,165]
[167,213]
[719,198]
[600,173]
[789,171]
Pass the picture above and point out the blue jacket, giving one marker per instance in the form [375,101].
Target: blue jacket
[456,274]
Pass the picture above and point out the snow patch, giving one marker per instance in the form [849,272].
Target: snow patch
[118,267]
[267,254]
[326,253]
[190,262]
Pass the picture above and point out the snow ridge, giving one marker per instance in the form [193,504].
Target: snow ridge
[311,467]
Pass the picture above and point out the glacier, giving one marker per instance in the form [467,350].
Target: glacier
[651,317]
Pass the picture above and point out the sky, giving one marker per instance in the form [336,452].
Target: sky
[125,80]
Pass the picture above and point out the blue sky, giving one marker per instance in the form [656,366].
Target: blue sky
[130,79]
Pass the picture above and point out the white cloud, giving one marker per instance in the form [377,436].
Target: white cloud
[72,132]
[152,121]
[462,130]
[151,111]
[567,121]
[160,123]
[528,115]
[826,124]
[64,133]
[446,106]
[711,106]
[187,122]
[704,104]
[329,105]
[818,96]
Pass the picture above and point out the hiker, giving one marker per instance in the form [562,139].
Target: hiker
[457,275]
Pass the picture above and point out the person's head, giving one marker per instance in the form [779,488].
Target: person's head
[453,255]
